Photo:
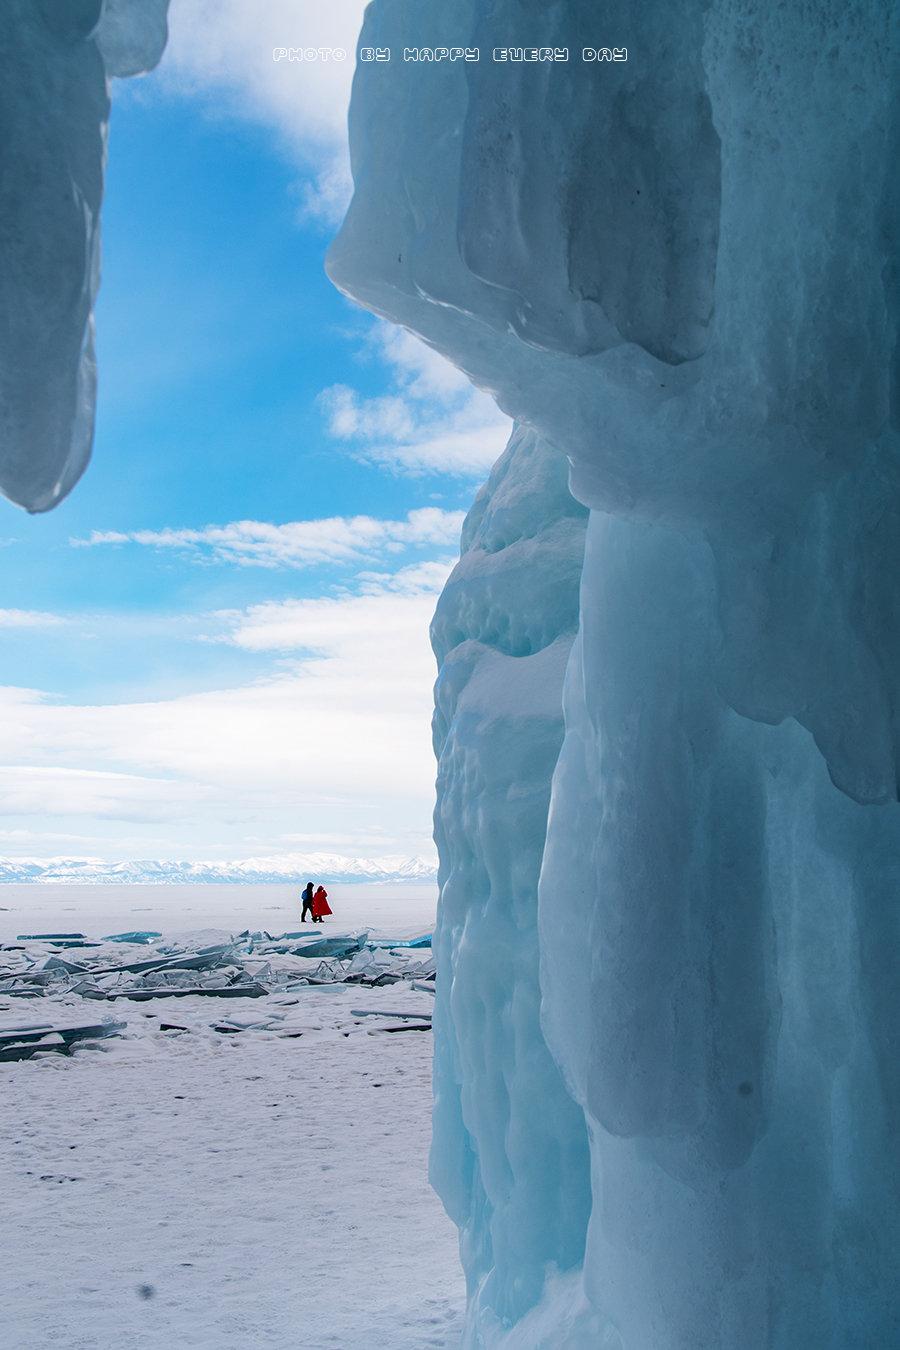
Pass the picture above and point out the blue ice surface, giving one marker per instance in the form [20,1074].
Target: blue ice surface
[51,937]
[391,944]
[340,944]
[139,935]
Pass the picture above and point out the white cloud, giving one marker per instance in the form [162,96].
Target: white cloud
[432,421]
[300,543]
[417,579]
[29,618]
[422,371]
[56,791]
[382,630]
[333,740]
[224,49]
[221,51]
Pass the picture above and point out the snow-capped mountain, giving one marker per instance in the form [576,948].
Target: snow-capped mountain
[285,867]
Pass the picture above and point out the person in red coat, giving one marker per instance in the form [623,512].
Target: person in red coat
[321,906]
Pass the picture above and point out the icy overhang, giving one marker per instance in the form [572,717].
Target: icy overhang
[56,60]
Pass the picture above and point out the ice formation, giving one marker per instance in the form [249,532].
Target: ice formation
[234,965]
[53,973]
[517,1183]
[55,60]
[680,272]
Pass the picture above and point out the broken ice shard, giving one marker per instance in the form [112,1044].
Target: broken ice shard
[138,936]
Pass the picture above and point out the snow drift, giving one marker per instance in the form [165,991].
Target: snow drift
[680,272]
[56,57]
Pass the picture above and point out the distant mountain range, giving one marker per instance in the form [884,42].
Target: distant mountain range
[289,867]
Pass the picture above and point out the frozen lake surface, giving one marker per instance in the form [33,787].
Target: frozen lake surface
[97,910]
[204,1190]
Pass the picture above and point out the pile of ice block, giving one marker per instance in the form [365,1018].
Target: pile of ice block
[141,966]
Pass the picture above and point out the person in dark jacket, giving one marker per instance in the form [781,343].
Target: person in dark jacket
[321,906]
[307,898]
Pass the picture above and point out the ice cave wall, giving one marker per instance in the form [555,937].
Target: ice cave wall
[56,57]
[680,271]
[516,1183]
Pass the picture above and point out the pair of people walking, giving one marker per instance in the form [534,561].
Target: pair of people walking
[316,902]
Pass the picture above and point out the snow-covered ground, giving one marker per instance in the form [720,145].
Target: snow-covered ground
[189,1188]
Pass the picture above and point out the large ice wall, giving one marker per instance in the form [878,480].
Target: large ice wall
[56,57]
[680,270]
[518,1185]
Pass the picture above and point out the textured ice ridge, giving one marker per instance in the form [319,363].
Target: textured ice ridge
[56,57]
[516,1182]
[680,272]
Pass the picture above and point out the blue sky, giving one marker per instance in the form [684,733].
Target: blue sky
[217,645]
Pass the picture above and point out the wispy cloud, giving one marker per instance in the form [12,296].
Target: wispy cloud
[54,790]
[29,618]
[426,578]
[431,421]
[222,50]
[380,631]
[300,543]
